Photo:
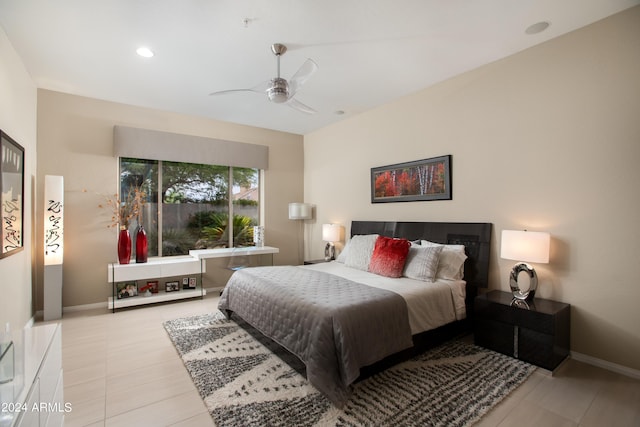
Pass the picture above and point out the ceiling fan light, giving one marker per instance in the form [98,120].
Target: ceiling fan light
[279,91]
[278,96]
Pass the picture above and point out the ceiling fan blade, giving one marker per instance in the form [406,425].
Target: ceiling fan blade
[297,105]
[260,88]
[302,75]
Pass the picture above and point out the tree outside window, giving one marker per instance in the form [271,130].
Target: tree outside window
[199,204]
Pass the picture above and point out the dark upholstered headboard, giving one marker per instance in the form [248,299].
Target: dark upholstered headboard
[476,238]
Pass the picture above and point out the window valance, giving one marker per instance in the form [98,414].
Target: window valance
[156,145]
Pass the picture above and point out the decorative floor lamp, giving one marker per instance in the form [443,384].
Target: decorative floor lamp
[53,245]
[300,211]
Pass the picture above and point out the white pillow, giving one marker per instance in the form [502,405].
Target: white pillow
[360,251]
[342,256]
[422,262]
[451,264]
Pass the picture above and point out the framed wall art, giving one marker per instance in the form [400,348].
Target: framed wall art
[428,179]
[12,198]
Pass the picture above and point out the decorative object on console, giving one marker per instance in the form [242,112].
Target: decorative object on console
[258,235]
[124,246]
[428,179]
[142,245]
[330,234]
[53,246]
[147,289]
[123,211]
[524,247]
[11,195]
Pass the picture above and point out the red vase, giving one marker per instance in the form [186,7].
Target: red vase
[142,245]
[124,246]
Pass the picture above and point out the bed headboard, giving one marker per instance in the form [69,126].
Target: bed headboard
[475,236]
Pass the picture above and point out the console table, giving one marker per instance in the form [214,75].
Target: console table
[155,268]
[193,264]
[229,252]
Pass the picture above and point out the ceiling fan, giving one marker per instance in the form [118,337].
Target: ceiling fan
[280,90]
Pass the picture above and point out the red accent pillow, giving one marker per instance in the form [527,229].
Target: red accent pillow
[389,256]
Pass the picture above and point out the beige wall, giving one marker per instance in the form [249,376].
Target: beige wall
[18,120]
[548,139]
[75,139]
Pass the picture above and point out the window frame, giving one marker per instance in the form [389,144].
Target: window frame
[230,201]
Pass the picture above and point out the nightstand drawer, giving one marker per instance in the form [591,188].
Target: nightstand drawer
[486,309]
[497,336]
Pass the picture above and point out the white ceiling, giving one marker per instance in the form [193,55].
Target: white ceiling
[369,52]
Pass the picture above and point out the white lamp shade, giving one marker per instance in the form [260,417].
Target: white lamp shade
[527,246]
[331,232]
[53,219]
[300,211]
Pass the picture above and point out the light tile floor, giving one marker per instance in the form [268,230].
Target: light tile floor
[122,370]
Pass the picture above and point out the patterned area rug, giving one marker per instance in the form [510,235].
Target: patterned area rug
[245,382]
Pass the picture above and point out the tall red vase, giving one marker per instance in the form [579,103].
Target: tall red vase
[124,246]
[142,245]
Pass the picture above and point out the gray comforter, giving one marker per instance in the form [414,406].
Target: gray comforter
[335,326]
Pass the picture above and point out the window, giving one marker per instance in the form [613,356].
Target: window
[193,206]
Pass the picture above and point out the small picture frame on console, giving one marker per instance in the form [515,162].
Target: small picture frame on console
[126,289]
[172,286]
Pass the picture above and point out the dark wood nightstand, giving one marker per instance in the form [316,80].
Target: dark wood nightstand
[538,334]
[315,261]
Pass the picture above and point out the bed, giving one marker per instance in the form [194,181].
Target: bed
[343,317]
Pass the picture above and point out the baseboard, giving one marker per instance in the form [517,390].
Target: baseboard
[214,291]
[609,366]
[74,308]
[82,307]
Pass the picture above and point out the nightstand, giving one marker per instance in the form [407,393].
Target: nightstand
[315,261]
[538,334]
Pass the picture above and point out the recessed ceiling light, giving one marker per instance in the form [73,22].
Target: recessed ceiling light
[538,27]
[145,52]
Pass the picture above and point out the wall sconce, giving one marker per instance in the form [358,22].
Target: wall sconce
[53,245]
[300,210]
[330,233]
[524,246]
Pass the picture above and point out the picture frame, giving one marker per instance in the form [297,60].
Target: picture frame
[193,282]
[12,195]
[153,286]
[420,180]
[126,290]
[185,283]
[172,286]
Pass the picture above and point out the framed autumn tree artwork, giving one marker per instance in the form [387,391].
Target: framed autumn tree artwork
[428,179]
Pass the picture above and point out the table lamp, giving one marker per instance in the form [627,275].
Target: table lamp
[330,234]
[524,247]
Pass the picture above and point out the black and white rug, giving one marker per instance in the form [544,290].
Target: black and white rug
[244,383]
